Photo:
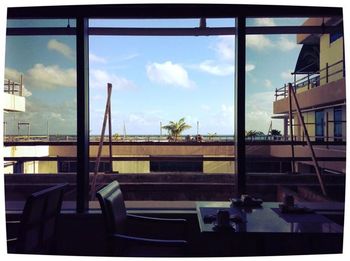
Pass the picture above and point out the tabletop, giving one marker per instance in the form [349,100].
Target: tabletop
[267,218]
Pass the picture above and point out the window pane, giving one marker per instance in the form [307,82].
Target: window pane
[23,23]
[39,115]
[274,148]
[157,81]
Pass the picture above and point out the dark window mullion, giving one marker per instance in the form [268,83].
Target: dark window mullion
[82,49]
[239,106]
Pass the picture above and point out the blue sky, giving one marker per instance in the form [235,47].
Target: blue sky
[155,79]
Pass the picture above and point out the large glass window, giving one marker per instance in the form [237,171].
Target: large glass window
[319,119]
[338,124]
[39,111]
[171,106]
[276,136]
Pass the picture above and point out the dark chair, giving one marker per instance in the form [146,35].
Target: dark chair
[131,235]
[37,226]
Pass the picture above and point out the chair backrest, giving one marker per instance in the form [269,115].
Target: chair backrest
[38,221]
[113,207]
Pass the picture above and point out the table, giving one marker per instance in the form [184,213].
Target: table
[267,231]
[267,218]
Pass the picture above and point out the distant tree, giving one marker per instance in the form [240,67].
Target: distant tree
[116,136]
[259,133]
[251,134]
[176,128]
[275,132]
[211,136]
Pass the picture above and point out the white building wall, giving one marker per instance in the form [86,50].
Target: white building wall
[14,103]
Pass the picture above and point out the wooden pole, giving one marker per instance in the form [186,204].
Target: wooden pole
[98,158]
[110,129]
[313,155]
[291,126]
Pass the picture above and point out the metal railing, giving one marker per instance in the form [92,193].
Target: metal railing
[12,87]
[312,80]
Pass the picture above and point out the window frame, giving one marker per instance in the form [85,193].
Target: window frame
[84,12]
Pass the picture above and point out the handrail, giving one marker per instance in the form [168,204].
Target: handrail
[310,80]
[13,87]
[177,158]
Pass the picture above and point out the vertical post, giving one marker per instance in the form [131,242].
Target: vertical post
[5,126]
[327,130]
[291,126]
[313,155]
[308,81]
[326,72]
[295,81]
[276,94]
[100,145]
[48,130]
[240,51]
[285,128]
[82,52]
[21,86]
[110,130]
[160,131]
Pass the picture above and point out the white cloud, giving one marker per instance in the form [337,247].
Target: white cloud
[12,74]
[220,69]
[51,76]
[264,22]
[285,44]
[286,75]
[205,107]
[100,78]
[217,69]
[258,42]
[168,73]
[262,42]
[268,83]
[56,116]
[61,48]
[249,67]
[41,76]
[259,111]
[129,57]
[224,48]
[97,59]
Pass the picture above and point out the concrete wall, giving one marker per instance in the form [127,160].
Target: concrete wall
[331,53]
[131,166]
[320,151]
[218,166]
[331,93]
[14,103]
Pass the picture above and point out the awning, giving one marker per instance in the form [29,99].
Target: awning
[308,60]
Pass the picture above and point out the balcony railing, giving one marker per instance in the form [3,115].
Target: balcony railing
[312,80]
[12,87]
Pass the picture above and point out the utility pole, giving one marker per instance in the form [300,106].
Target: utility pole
[160,131]
[48,130]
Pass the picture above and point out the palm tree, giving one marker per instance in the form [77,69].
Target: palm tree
[251,134]
[276,134]
[176,128]
[211,136]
